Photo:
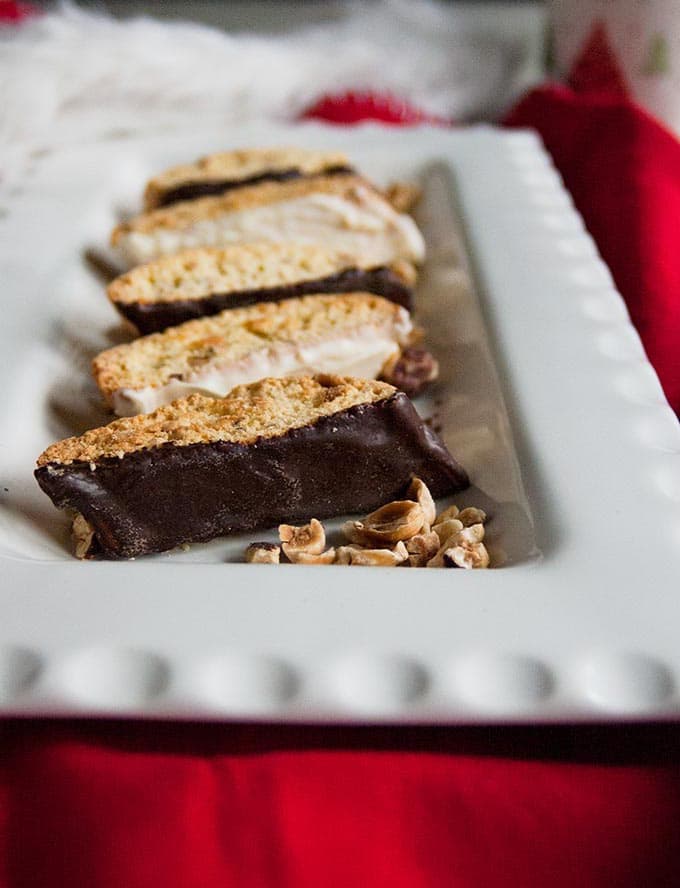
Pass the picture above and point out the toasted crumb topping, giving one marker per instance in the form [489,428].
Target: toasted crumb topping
[232,335]
[232,166]
[268,408]
[187,213]
[207,270]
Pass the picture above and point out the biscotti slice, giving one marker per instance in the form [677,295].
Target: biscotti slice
[278,450]
[227,170]
[340,212]
[353,334]
[207,280]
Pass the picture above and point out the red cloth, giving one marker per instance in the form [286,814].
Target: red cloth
[12,13]
[352,107]
[116,804]
[138,805]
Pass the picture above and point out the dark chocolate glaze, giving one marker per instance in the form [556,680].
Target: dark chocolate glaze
[152,317]
[155,499]
[212,187]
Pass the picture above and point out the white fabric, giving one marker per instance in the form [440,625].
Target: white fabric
[72,74]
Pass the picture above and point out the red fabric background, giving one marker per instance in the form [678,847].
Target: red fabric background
[12,13]
[127,804]
[180,806]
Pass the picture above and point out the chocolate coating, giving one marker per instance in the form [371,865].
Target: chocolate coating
[210,188]
[155,499]
[152,317]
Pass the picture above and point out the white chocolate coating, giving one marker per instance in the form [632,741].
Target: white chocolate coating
[362,353]
[369,230]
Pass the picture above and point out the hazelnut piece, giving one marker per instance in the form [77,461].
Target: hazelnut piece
[83,536]
[421,548]
[420,493]
[472,534]
[471,515]
[451,512]
[391,523]
[327,557]
[411,370]
[263,553]
[462,549]
[309,538]
[446,529]
[471,557]
[355,555]
[403,195]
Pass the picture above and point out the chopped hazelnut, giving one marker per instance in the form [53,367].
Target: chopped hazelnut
[462,549]
[437,559]
[460,535]
[355,555]
[472,534]
[470,556]
[343,554]
[263,553]
[451,512]
[420,493]
[403,195]
[446,529]
[410,370]
[83,534]
[395,521]
[446,542]
[471,516]
[397,533]
[421,548]
[309,538]
[327,557]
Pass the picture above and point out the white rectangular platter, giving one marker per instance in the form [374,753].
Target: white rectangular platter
[546,397]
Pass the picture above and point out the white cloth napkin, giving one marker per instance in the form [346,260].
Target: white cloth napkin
[72,75]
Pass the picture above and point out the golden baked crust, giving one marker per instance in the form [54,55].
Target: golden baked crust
[234,166]
[227,337]
[189,212]
[202,271]
[268,408]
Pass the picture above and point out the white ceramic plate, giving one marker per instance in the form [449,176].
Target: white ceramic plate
[546,397]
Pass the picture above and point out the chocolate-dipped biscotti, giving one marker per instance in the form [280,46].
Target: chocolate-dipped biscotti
[227,170]
[354,334]
[273,451]
[340,212]
[207,280]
